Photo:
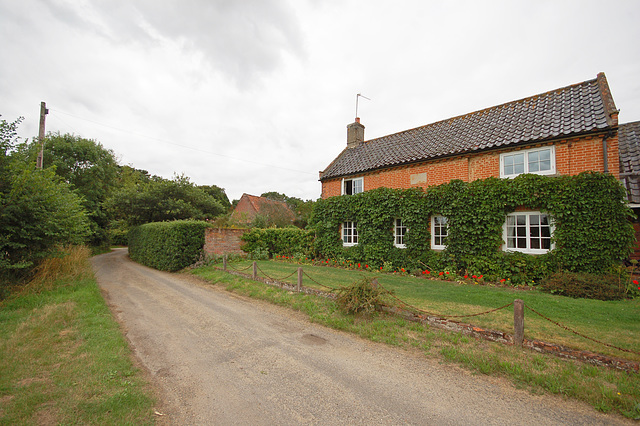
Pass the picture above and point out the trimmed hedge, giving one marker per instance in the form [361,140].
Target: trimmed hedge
[167,246]
[283,241]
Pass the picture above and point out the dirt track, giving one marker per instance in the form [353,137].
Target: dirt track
[222,359]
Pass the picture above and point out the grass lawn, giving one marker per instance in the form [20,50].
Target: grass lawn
[613,322]
[63,359]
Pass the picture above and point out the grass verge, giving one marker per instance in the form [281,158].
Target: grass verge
[63,359]
[605,389]
[613,322]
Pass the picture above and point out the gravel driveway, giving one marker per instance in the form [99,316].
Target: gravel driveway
[218,358]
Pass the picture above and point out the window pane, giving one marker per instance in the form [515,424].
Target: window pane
[357,186]
[522,243]
[521,220]
[534,219]
[518,163]
[545,155]
[546,243]
[534,162]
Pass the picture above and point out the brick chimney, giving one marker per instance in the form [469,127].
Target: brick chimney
[355,134]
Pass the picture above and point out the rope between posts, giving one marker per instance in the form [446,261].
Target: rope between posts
[238,270]
[580,334]
[275,279]
[444,316]
[316,282]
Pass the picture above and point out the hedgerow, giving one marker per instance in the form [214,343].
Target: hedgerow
[592,228]
[167,246]
[278,241]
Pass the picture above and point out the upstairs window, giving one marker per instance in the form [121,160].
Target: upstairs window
[399,230]
[439,232]
[352,186]
[349,234]
[541,161]
[528,232]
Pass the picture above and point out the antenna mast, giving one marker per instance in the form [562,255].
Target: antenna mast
[358,96]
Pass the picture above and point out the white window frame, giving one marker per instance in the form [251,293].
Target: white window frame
[435,246]
[527,237]
[526,153]
[352,180]
[351,238]
[398,237]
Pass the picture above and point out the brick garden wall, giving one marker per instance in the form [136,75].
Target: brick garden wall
[572,157]
[223,241]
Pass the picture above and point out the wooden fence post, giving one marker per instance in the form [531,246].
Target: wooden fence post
[224,263]
[255,270]
[299,279]
[518,322]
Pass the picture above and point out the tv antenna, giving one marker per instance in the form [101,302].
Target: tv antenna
[358,96]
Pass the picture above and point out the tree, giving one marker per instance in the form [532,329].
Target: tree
[302,209]
[38,211]
[217,193]
[158,200]
[88,167]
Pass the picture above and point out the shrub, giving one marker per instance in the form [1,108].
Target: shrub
[168,246]
[584,285]
[283,241]
[362,297]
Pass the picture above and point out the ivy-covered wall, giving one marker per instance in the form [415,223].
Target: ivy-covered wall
[593,231]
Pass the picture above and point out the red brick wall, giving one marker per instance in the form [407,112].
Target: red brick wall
[572,157]
[223,241]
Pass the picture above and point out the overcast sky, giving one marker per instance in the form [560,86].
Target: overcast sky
[255,95]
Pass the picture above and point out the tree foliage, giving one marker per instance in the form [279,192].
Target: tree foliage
[157,200]
[302,209]
[38,211]
[88,167]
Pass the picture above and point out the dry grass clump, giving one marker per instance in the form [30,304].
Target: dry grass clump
[70,263]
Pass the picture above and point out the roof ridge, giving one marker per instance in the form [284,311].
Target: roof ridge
[469,114]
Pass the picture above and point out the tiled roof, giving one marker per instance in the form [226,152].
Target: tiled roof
[569,111]
[629,147]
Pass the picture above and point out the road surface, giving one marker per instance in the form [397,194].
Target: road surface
[218,358]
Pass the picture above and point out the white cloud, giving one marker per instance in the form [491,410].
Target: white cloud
[239,94]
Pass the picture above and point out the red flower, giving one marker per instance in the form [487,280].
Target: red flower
[466,276]
[473,276]
[402,269]
[447,272]
[428,272]
[480,277]
[635,282]
[358,265]
[502,280]
[381,268]
[366,266]
[440,273]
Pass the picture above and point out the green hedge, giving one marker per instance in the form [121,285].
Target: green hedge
[282,241]
[592,232]
[167,246]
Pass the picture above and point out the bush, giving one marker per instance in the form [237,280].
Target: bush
[362,297]
[283,241]
[167,246]
[587,286]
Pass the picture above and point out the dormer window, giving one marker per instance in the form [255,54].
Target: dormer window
[352,186]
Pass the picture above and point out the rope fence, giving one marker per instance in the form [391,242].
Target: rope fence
[517,304]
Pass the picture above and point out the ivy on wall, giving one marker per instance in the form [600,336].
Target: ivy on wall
[592,224]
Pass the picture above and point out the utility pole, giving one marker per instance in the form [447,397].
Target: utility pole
[43,112]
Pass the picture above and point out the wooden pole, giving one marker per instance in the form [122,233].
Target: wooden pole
[43,113]
[224,263]
[255,270]
[518,322]
[299,279]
